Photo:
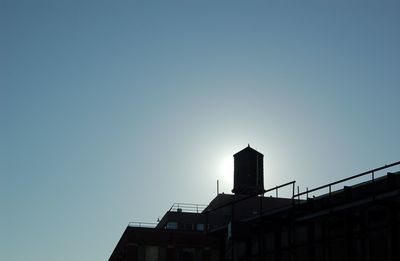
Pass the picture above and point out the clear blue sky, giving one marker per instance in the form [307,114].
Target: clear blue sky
[113,110]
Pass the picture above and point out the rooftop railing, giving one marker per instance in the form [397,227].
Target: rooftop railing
[187,208]
[296,198]
[142,224]
[371,173]
[274,189]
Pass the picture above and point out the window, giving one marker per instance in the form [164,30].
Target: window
[200,227]
[172,225]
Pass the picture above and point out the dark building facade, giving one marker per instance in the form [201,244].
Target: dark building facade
[357,222]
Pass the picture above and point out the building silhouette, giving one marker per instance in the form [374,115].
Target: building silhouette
[331,222]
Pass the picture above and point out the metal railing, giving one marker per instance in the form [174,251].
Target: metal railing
[276,188]
[231,205]
[329,186]
[142,224]
[187,208]
[199,208]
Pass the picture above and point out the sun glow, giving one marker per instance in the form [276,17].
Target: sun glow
[226,174]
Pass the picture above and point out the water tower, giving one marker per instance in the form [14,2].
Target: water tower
[248,172]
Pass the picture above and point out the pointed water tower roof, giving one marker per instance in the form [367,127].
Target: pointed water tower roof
[247,149]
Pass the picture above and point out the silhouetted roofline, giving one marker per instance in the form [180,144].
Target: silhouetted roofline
[248,148]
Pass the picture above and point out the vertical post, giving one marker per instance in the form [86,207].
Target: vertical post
[298,192]
[217,187]
[276,191]
[293,191]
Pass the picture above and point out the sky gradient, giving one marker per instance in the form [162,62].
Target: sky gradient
[111,111]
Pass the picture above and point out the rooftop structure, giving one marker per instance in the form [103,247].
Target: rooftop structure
[352,222]
[248,172]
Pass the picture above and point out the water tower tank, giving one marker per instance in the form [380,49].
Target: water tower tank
[248,172]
